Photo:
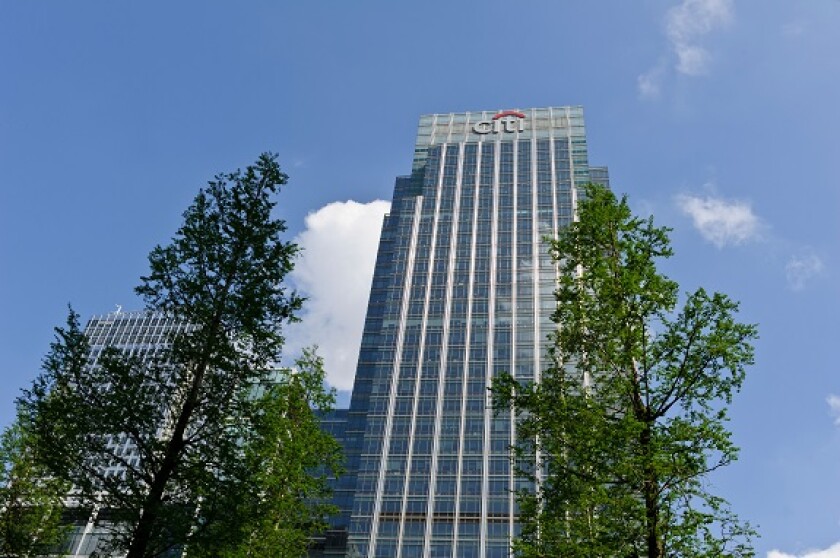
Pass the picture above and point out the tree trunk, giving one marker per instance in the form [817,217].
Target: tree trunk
[151,506]
[149,512]
[650,490]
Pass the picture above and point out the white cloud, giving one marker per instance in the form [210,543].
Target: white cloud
[334,273]
[687,23]
[685,27]
[721,221]
[650,82]
[834,406]
[831,552]
[801,268]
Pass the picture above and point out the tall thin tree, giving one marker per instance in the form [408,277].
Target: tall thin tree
[191,411]
[621,433]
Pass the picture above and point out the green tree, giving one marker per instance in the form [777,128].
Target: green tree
[620,434]
[31,502]
[283,498]
[191,412]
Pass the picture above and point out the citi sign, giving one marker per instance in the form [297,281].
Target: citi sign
[507,121]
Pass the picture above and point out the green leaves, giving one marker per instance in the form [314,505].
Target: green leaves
[281,499]
[226,264]
[30,500]
[631,416]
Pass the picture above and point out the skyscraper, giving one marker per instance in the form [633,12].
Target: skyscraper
[145,335]
[462,290]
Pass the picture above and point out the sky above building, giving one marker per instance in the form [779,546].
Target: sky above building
[718,117]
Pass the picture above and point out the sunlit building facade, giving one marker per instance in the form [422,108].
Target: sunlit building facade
[462,291]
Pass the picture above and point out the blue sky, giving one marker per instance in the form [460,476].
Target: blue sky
[717,116]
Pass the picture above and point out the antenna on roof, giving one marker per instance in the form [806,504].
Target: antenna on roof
[119,308]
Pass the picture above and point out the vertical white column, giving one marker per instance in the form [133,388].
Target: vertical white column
[404,303]
[450,269]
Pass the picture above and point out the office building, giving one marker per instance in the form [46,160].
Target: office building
[144,335]
[462,291]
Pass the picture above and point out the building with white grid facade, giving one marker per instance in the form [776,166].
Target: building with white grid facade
[144,335]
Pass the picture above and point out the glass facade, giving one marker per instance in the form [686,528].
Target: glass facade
[463,290]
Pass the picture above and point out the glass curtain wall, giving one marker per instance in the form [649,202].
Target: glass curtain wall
[462,291]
